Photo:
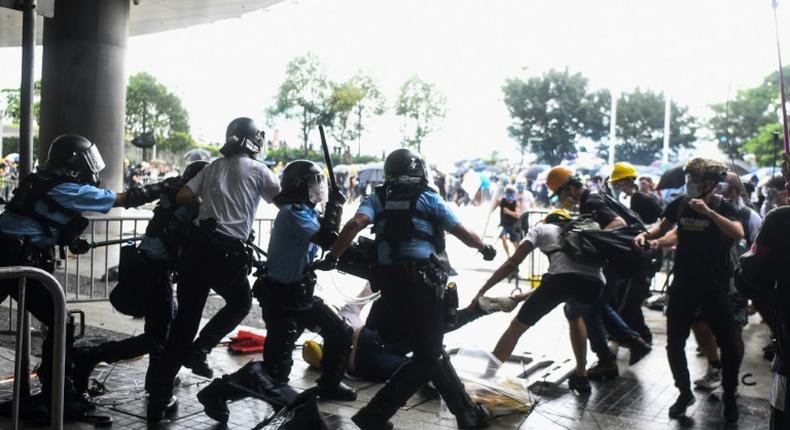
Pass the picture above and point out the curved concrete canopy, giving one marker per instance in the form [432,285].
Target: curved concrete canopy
[147,16]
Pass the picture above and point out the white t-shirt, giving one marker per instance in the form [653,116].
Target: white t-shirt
[230,189]
[546,237]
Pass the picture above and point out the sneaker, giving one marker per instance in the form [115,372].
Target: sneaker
[198,362]
[711,380]
[580,384]
[639,349]
[490,305]
[312,354]
[603,370]
[678,409]
[730,409]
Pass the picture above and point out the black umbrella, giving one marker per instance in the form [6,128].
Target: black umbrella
[197,154]
[674,177]
[533,171]
[740,167]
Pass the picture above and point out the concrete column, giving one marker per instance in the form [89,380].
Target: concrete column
[83,83]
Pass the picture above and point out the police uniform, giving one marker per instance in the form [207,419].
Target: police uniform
[150,269]
[216,257]
[409,223]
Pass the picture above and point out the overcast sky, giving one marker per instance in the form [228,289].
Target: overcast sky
[695,49]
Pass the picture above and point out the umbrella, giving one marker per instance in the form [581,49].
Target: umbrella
[533,171]
[740,167]
[12,157]
[197,154]
[674,177]
[373,172]
[341,169]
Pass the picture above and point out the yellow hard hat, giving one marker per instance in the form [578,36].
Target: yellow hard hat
[557,213]
[623,170]
[312,353]
[558,176]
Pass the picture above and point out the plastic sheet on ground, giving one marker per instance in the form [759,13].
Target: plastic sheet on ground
[502,395]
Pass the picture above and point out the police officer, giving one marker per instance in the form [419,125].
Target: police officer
[409,222]
[227,192]
[151,273]
[285,293]
[45,212]
[707,227]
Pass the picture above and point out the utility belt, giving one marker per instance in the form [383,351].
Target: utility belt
[294,295]
[219,256]
[18,251]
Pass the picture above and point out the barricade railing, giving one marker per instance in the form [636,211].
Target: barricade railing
[22,353]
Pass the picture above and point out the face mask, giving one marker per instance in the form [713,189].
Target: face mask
[520,188]
[693,189]
[510,197]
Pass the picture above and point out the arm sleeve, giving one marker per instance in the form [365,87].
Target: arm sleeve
[534,236]
[196,184]
[441,210]
[369,206]
[83,198]
[270,185]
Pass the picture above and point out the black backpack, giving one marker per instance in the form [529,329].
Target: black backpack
[573,242]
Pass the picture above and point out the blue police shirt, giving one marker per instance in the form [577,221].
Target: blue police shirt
[419,249]
[154,247]
[290,249]
[77,197]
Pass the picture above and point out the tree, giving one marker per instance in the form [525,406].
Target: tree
[552,112]
[640,127]
[150,106]
[766,151]
[351,104]
[420,104]
[13,107]
[304,94]
[751,110]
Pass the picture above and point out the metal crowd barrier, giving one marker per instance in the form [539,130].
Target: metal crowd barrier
[22,353]
[89,277]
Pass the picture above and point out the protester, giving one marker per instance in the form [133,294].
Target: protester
[509,212]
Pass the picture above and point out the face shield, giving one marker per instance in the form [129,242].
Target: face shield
[254,143]
[317,189]
[94,163]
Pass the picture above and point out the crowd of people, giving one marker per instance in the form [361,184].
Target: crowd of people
[604,238]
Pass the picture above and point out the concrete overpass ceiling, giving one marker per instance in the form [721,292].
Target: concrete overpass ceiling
[147,16]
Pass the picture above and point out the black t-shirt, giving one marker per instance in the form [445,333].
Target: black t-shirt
[506,220]
[703,250]
[646,206]
[595,205]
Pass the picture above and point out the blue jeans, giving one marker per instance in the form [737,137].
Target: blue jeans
[598,311]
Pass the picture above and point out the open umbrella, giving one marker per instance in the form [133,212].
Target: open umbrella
[740,167]
[12,157]
[197,154]
[341,169]
[533,171]
[373,172]
[674,177]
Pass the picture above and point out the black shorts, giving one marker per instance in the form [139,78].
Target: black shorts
[577,291]
[512,233]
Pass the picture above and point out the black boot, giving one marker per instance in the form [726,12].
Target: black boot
[337,347]
[639,349]
[214,399]
[336,391]
[85,360]
[198,362]
[476,418]
[368,419]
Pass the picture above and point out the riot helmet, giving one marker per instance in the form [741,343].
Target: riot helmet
[242,136]
[405,166]
[302,182]
[75,157]
[193,169]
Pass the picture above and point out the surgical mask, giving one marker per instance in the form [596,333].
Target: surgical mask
[520,187]
[693,189]
[510,197]
[317,190]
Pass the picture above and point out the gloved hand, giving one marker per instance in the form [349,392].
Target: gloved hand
[337,196]
[333,212]
[140,196]
[328,263]
[488,253]
[79,247]
[172,184]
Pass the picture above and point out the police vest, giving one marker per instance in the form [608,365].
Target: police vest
[400,210]
[35,188]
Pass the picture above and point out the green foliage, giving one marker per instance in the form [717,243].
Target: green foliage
[767,152]
[304,94]
[640,127]
[290,154]
[747,114]
[13,107]
[150,106]
[420,104]
[552,112]
[350,105]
